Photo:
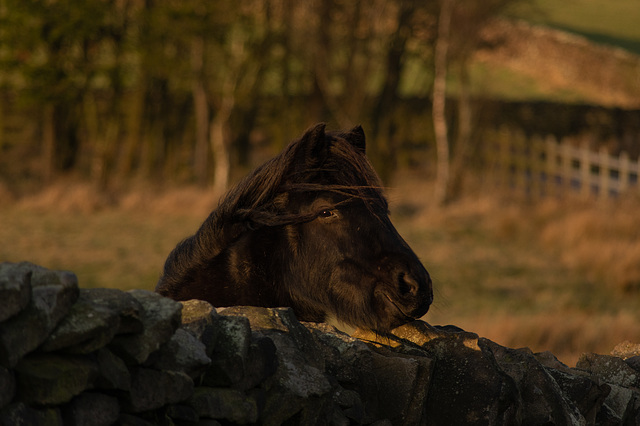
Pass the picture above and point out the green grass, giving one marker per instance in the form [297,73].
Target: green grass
[613,22]
[500,82]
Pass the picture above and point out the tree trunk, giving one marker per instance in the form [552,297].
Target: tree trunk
[220,156]
[439,102]
[134,112]
[382,150]
[219,140]
[463,139]
[48,142]
[102,131]
[201,109]
[2,119]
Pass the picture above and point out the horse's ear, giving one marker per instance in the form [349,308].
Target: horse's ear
[312,148]
[357,139]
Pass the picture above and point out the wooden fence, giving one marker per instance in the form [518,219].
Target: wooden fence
[544,166]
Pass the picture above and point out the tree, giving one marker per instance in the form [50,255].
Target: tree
[225,45]
[68,59]
[46,53]
[456,47]
[357,52]
[441,51]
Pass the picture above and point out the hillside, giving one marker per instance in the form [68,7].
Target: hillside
[531,62]
[609,22]
[574,51]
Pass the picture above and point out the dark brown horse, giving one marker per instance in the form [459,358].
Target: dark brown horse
[308,229]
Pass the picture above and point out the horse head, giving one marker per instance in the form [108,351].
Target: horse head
[309,229]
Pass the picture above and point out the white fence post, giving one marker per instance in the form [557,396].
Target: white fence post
[522,162]
[605,173]
[585,169]
[624,171]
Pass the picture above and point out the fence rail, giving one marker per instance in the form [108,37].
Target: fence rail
[544,166]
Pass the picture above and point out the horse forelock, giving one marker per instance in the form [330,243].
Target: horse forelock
[261,198]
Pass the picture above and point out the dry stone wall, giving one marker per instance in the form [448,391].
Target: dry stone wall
[102,356]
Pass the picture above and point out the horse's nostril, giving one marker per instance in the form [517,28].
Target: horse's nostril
[408,284]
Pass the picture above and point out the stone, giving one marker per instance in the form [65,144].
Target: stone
[609,369]
[128,308]
[621,403]
[7,386]
[182,413]
[633,362]
[383,422]
[295,373]
[87,327]
[339,351]
[626,350]
[91,409]
[96,317]
[112,371]
[108,356]
[587,395]
[421,333]
[261,363]
[262,318]
[160,317]
[277,321]
[340,419]
[461,368]
[53,379]
[152,389]
[317,412]
[400,386]
[131,420]
[231,351]
[549,360]
[224,404]
[298,386]
[52,295]
[199,318]
[541,396]
[391,384]
[351,404]
[606,417]
[21,414]
[183,352]
[15,288]
[209,422]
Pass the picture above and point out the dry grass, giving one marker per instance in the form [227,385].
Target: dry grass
[107,241]
[551,275]
[566,334]
[600,239]
[558,275]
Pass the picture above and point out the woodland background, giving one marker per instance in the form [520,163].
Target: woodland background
[123,121]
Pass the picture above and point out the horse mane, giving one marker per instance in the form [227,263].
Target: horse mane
[259,199]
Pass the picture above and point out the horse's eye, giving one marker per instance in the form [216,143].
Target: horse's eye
[327,213]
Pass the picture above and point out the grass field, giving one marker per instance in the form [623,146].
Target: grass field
[613,22]
[552,275]
[501,269]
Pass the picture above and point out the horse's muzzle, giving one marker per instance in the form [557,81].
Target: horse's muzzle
[415,293]
[408,294]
